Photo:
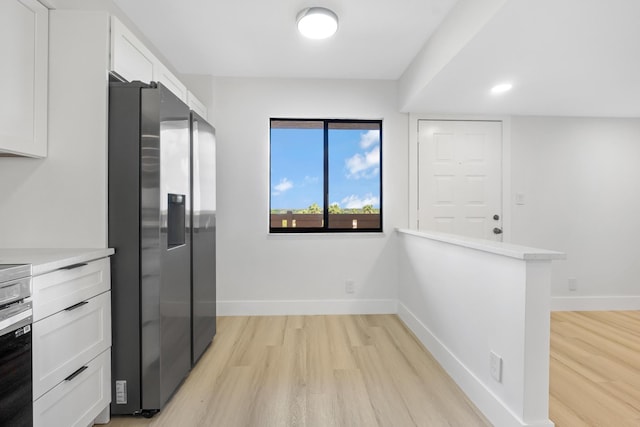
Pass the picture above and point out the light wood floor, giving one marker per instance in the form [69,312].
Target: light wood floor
[316,371]
[595,369]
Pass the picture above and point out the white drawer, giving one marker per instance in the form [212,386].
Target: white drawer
[63,288]
[77,402]
[69,339]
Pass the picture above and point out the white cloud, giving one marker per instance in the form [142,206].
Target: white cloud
[355,202]
[370,138]
[364,166]
[283,186]
[311,179]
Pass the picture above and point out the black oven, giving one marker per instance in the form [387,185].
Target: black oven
[16,316]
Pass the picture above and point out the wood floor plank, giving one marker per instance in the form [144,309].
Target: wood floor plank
[574,354]
[319,359]
[595,369]
[315,371]
[429,393]
[603,408]
[627,321]
[564,416]
[624,391]
[339,343]
[354,405]
[607,345]
[387,402]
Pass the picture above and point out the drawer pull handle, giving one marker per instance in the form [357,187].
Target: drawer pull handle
[72,266]
[76,373]
[78,305]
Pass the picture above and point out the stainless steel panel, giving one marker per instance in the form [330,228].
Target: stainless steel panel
[15,290]
[203,273]
[165,292]
[125,231]
[14,271]
[150,249]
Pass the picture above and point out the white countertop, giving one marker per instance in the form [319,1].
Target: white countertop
[46,260]
[498,248]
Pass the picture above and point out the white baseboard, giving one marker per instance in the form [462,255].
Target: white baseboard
[487,402]
[306,307]
[599,303]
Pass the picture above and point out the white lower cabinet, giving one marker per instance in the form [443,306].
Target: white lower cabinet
[72,344]
[64,341]
[70,285]
[76,401]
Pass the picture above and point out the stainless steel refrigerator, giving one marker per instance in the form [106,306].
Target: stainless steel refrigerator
[149,226]
[203,235]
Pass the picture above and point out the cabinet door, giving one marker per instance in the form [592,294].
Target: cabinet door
[63,288]
[24,29]
[64,342]
[78,400]
[197,106]
[163,75]
[129,56]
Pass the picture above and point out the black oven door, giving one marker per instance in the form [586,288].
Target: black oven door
[16,389]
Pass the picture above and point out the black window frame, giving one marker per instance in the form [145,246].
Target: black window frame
[325,227]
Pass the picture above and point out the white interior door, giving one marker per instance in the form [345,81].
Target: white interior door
[460,177]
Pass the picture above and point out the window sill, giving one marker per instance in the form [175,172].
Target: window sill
[339,235]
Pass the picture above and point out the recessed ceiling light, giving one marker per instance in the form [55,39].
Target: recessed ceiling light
[501,88]
[317,22]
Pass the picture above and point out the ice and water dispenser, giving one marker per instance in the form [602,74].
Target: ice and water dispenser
[176,230]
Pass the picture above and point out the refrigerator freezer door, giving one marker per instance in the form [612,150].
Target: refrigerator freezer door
[203,274]
[165,292]
[125,236]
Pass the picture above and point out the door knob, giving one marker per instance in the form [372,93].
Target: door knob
[497,230]
[496,217]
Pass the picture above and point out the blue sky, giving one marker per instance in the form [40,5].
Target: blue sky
[297,168]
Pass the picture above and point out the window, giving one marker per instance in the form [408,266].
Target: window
[326,175]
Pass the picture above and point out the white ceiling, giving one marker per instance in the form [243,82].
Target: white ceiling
[564,57]
[376,39]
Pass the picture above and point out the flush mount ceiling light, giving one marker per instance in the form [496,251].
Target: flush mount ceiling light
[501,88]
[317,22]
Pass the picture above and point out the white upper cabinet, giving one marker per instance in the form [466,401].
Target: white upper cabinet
[24,29]
[197,106]
[163,75]
[130,58]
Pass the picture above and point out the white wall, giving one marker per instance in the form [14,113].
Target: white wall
[462,23]
[463,298]
[60,201]
[581,181]
[262,273]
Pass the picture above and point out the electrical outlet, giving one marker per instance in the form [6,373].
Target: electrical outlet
[495,366]
[349,286]
[573,283]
